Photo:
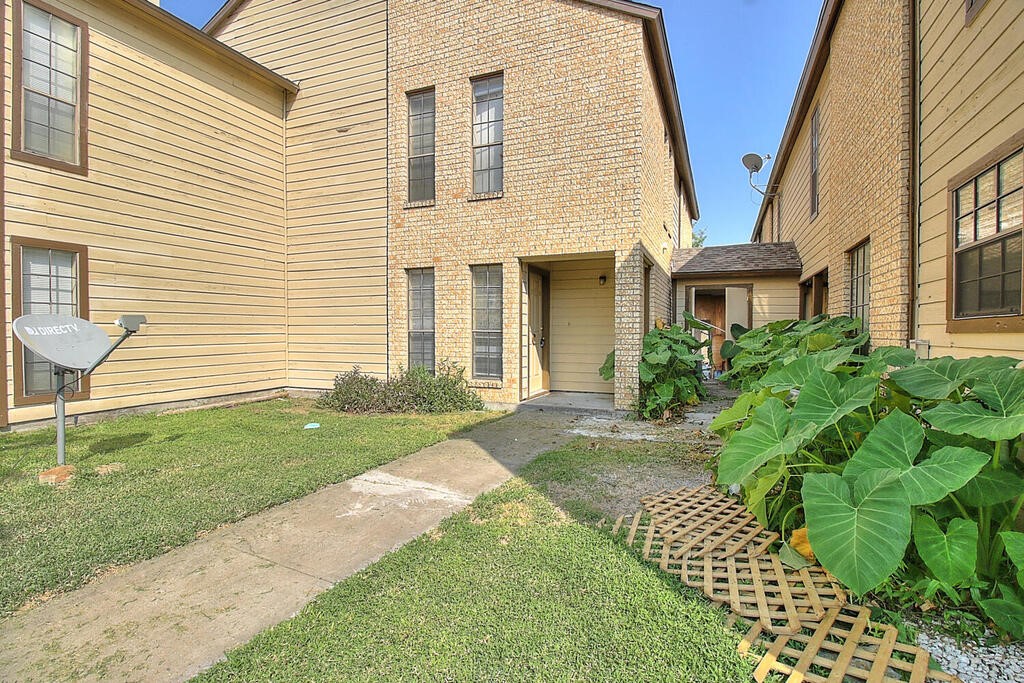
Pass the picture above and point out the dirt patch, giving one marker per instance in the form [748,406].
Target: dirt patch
[616,489]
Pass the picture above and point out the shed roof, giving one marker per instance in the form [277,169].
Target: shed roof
[770,258]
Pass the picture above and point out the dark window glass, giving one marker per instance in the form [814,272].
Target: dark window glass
[488,134]
[421,318]
[860,283]
[987,235]
[421,146]
[815,148]
[49,282]
[487,340]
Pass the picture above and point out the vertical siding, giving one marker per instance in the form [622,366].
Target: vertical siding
[582,331]
[181,210]
[972,81]
[336,176]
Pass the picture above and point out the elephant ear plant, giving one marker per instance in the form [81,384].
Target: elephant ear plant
[902,471]
[671,370]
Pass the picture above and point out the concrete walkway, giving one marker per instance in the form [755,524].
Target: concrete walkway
[168,618]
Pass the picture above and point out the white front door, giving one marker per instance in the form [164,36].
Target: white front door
[538,335]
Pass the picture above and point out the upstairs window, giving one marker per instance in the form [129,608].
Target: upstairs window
[50,53]
[989,211]
[421,146]
[488,134]
[815,149]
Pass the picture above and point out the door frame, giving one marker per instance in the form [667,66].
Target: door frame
[545,352]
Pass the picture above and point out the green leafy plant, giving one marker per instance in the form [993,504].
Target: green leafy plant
[671,368]
[607,369]
[902,470]
[415,390]
[755,353]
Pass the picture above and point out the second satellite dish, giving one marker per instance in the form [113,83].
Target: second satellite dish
[63,340]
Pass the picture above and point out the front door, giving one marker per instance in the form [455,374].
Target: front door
[538,355]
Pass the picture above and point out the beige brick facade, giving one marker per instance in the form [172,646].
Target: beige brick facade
[587,168]
[863,96]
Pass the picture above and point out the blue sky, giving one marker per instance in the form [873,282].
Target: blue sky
[737,65]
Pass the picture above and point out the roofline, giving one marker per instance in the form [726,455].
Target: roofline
[764,272]
[814,66]
[655,24]
[207,42]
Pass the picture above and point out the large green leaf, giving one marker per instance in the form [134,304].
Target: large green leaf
[764,437]
[895,443]
[797,373]
[885,357]
[861,535]
[990,487]
[824,400]
[759,484]
[952,556]
[1007,612]
[938,378]
[941,473]
[1000,418]
[1014,542]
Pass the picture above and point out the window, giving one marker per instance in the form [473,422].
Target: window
[488,134]
[988,215]
[814,295]
[421,318]
[50,53]
[860,283]
[421,146]
[49,277]
[971,9]
[778,221]
[815,149]
[487,322]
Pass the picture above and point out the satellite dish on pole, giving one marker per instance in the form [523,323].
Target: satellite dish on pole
[73,346]
[67,342]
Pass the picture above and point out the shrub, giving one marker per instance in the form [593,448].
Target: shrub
[757,352]
[901,470]
[670,371]
[412,391]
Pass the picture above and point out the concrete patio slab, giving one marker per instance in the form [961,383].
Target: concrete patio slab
[170,617]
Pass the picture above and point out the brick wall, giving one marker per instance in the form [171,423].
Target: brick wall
[864,98]
[582,173]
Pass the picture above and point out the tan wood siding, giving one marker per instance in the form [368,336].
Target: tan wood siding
[182,212]
[337,178]
[582,324]
[972,78]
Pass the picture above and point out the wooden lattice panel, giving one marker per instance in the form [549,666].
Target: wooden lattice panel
[783,600]
[703,520]
[845,646]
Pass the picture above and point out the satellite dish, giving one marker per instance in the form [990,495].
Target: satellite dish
[65,341]
[72,345]
[753,162]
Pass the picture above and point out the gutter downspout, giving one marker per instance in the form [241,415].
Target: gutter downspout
[915,341]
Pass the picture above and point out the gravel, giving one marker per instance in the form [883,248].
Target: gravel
[974,663]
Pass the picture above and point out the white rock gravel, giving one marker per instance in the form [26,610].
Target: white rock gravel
[974,663]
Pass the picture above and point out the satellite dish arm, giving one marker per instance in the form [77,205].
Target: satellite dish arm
[106,354]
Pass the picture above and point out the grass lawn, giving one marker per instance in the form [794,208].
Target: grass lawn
[512,589]
[174,477]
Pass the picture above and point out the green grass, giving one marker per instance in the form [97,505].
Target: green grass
[182,475]
[512,589]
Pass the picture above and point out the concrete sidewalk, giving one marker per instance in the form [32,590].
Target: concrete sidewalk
[168,618]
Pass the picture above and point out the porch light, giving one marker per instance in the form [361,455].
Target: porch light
[601,280]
